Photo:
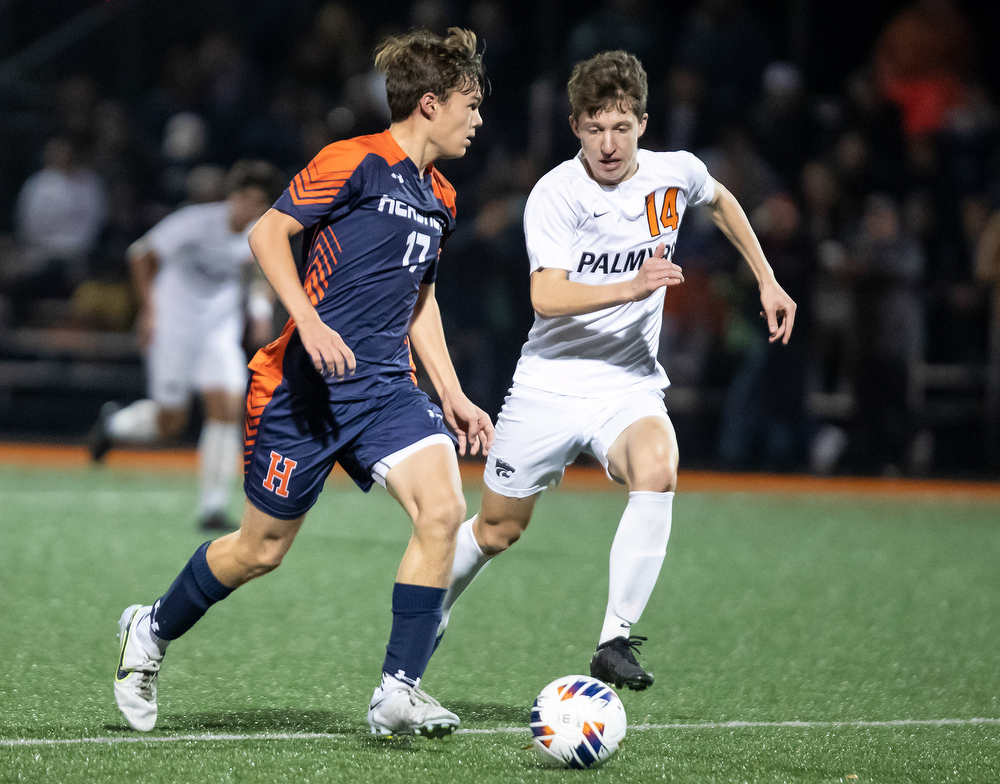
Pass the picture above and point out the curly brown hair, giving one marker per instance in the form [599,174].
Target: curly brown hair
[421,62]
[608,81]
[247,173]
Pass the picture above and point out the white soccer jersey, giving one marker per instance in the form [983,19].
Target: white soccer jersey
[601,235]
[201,259]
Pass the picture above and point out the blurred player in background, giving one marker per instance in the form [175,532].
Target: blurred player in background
[338,385]
[189,272]
[600,231]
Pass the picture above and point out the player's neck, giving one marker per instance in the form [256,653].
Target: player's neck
[414,142]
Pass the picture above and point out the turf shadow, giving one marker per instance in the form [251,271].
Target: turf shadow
[489,713]
[265,720]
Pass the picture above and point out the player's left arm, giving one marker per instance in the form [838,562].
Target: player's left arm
[779,309]
[470,423]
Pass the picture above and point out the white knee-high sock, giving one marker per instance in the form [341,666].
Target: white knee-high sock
[219,449]
[636,556]
[470,560]
[135,422]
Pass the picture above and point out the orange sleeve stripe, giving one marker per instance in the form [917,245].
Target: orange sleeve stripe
[321,180]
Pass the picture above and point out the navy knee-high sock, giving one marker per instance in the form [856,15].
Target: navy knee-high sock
[188,598]
[416,613]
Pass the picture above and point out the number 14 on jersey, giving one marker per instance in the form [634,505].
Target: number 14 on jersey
[668,212]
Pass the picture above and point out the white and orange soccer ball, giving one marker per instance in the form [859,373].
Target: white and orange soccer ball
[577,722]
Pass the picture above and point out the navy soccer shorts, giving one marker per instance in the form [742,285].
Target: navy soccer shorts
[293,445]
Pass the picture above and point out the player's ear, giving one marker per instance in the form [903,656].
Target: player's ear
[575,126]
[642,124]
[428,105]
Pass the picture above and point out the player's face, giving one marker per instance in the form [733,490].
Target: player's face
[610,141]
[456,122]
[245,206]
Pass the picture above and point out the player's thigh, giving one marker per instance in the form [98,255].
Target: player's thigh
[289,448]
[170,364]
[222,405]
[428,485]
[645,455]
[170,422]
[537,435]
[221,366]
[634,439]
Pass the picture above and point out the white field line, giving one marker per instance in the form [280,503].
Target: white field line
[717,725]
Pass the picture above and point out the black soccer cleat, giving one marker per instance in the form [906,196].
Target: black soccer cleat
[99,441]
[615,664]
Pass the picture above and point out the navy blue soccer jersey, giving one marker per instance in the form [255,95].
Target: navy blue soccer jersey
[373,231]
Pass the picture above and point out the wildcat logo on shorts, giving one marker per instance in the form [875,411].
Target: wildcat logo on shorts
[281,476]
[504,469]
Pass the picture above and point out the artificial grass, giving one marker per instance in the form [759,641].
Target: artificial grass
[769,609]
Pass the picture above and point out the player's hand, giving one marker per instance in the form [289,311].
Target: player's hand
[145,323]
[328,351]
[471,425]
[655,273]
[779,310]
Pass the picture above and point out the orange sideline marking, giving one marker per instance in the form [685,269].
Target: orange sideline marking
[576,478]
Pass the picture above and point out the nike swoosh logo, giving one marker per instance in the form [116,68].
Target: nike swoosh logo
[122,674]
[601,214]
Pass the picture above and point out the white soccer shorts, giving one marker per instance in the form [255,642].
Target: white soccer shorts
[539,433]
[179,365]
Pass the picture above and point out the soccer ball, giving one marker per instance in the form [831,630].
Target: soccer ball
[577,722]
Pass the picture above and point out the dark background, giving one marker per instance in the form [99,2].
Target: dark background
[51,385]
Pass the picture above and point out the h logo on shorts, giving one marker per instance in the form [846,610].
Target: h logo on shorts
[281,476]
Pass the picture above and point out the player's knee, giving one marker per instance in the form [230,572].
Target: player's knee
[261,558]
[657,474]
[498,535]
[442,520]
[170,425]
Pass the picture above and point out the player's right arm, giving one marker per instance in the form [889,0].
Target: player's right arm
[554,294]
[143,265]
[269,241]
[552,217]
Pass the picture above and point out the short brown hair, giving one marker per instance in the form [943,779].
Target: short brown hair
[608,81]
[421,62]
[247,173]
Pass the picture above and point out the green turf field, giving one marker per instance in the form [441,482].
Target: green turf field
[793,638]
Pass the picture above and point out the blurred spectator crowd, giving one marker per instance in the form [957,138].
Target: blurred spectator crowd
[878,206]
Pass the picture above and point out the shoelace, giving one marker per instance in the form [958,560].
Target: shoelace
[146,679]
[632,644]
[416,693]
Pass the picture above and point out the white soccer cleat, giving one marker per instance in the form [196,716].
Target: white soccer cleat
[398,708]
[135,679]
